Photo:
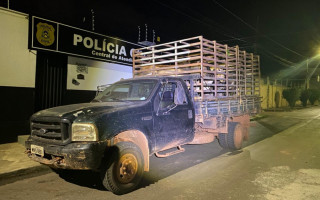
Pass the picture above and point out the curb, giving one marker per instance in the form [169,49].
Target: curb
[22,139]
[258,117]
[10,177]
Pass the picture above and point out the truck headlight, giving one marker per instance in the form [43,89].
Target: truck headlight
[84,132]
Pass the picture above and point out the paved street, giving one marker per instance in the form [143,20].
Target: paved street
[281,161]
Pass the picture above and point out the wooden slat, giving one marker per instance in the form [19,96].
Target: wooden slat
[171,61]
[171,48]
[169,55]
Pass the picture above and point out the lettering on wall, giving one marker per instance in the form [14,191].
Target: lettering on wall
[103,48]
[53,36]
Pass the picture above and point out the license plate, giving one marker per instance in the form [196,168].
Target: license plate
[38,150]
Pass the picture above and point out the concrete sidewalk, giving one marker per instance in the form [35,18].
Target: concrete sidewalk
[14,163]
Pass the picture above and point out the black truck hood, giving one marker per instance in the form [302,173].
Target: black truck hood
[75,110]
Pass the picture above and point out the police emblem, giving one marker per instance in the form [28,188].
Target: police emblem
[45,34]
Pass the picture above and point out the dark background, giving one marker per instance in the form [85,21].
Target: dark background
[284,33]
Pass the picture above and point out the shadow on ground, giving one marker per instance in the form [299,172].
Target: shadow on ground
[88,179]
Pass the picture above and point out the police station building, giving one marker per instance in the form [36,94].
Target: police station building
[46,64]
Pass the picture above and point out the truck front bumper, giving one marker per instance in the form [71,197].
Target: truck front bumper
[78,155]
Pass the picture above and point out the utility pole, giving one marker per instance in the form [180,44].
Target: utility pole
[307,76]
[268,91]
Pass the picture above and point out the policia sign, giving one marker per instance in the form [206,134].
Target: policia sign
[57,37]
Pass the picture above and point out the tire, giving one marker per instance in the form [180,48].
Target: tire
[234,136]
[222,138]
[123,172]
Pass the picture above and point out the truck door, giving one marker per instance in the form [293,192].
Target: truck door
[173,121]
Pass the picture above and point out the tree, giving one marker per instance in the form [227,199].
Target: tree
[304,97]
[291,96]
[314,96]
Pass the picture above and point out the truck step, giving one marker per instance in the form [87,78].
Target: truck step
[179,150]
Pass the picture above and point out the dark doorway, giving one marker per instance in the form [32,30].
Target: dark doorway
[51,80]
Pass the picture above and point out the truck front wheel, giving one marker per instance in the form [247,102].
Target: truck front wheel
[123,172]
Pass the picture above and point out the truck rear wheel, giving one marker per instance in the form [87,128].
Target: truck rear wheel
[235,135]
[222,138]
[233,140]
[123,172]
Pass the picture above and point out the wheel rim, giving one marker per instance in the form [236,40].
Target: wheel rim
[238,137]
[127,168]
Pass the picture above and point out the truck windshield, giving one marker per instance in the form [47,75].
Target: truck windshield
[127,91]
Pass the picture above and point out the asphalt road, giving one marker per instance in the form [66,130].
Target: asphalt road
[280,161]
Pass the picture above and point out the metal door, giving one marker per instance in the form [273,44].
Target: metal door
[51,78]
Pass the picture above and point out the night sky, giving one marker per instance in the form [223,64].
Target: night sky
[284,32]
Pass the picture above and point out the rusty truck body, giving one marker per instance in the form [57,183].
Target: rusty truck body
[190,91]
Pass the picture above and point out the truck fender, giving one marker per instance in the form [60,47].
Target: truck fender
[138,138]
[244,120]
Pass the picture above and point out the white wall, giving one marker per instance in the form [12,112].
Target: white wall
[98,73]
[17,64]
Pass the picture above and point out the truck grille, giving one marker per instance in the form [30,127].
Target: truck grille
[51,129]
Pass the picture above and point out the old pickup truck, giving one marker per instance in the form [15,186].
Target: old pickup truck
[190,91]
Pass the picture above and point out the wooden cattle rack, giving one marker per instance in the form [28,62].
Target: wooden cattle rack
[224,73]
